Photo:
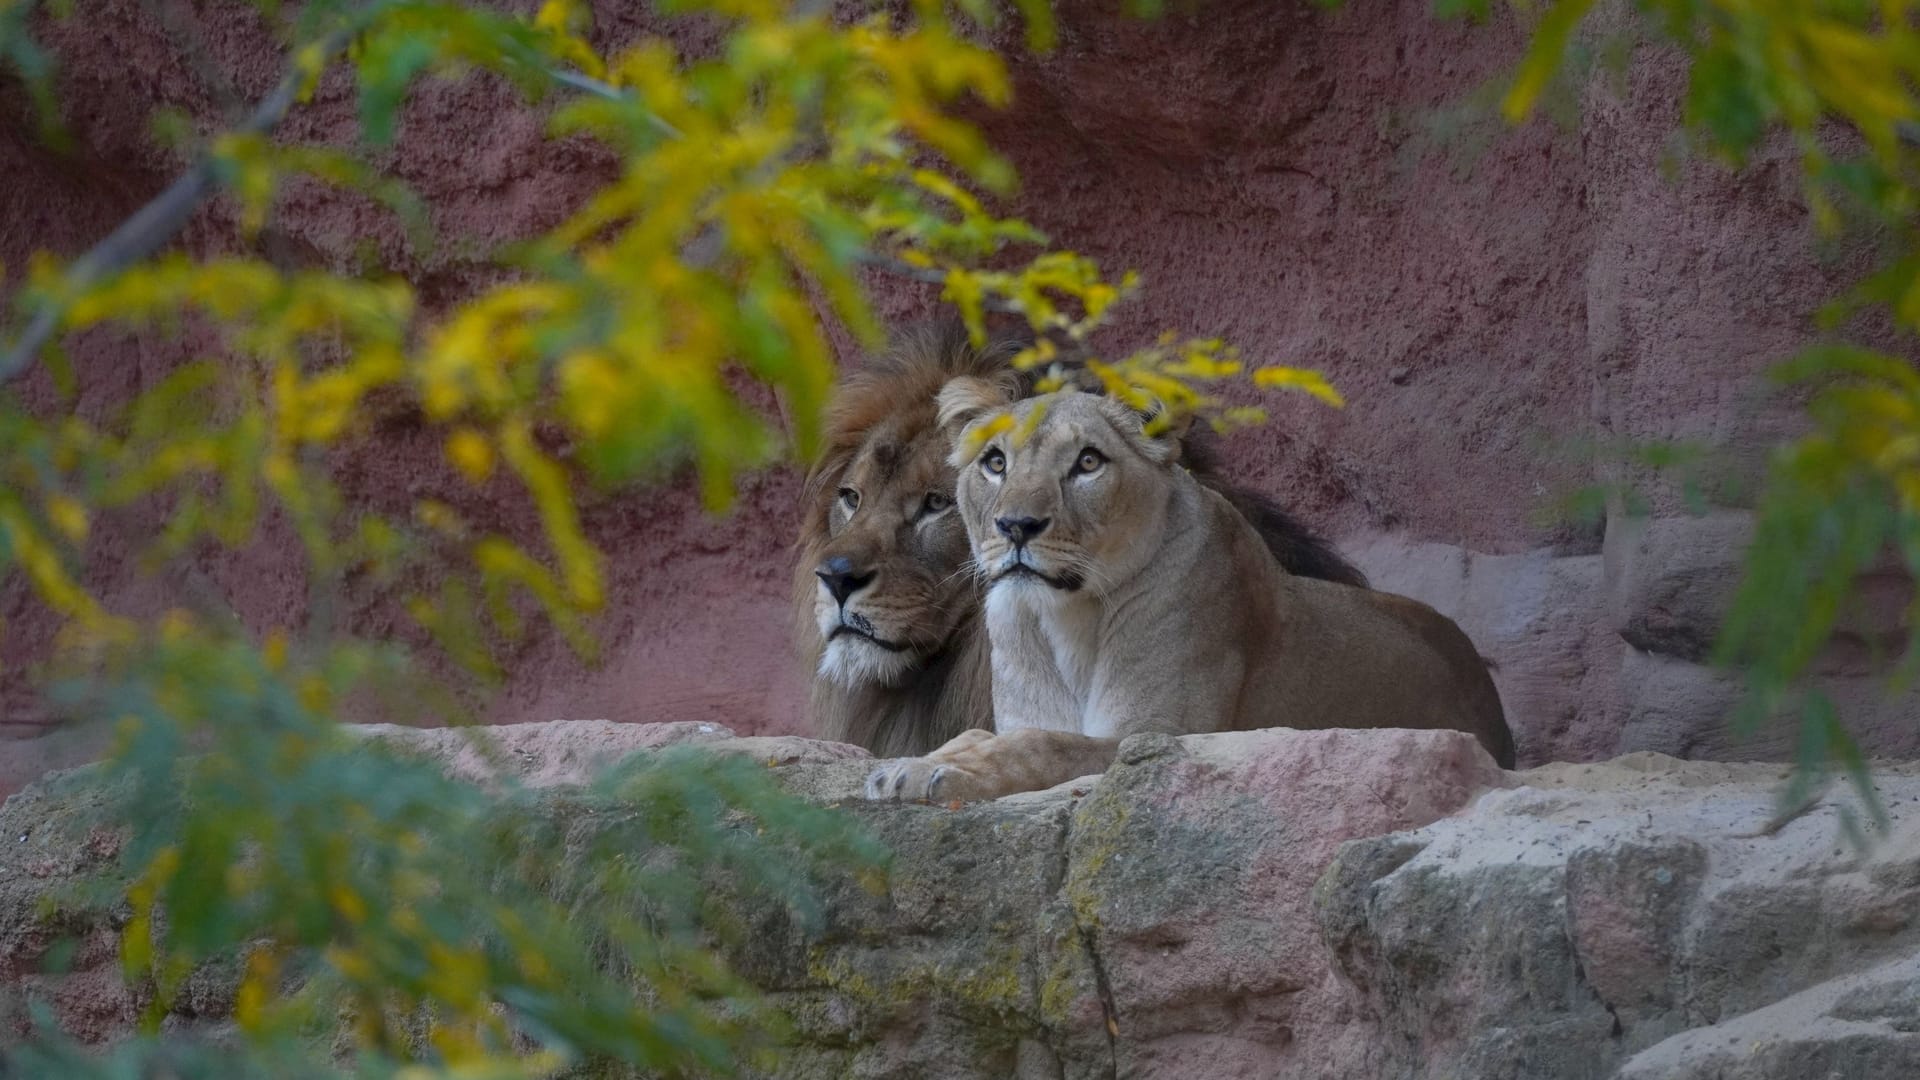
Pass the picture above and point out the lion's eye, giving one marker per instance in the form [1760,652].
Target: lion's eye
[850,499]
[994,462]
[936,503]
[1089,461]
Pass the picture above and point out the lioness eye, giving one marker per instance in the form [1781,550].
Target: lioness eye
[994,462]
[1090,459]
[851,498]
[935,503]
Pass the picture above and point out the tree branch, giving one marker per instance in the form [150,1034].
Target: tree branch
[887,264]
[587,84]
[155,223]
[158,221]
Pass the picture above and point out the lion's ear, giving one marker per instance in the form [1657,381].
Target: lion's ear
[966,399]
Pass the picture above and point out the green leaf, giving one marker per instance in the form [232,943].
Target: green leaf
[1721,100]
[1543,57]
[388,65]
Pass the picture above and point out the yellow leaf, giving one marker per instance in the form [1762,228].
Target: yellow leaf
[1036,413]
[1543,58]
[977,437]
[471,453]
[274,650]
[347,903]
[41,561]
[1305,379]
[176,625]
[349,962]
[68,516]
[315,695]
[547,482]
[556,15]
[256,988]
[310,61]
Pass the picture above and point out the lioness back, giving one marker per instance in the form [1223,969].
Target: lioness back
[1347,657]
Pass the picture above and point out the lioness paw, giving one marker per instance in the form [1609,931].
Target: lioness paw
[922,780]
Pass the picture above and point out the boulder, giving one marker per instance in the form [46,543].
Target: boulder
[1673,578]
[554,753]
[1327,905]
[1154,921]
[1865,1025]
[1591,912]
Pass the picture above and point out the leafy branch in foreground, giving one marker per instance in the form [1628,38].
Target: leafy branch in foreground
[751,183]
[344,879]
[754,186]
[1838,83]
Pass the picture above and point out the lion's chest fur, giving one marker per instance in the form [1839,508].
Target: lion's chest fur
[1045,660]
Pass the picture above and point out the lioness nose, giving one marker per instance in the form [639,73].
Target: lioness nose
[838,576]
[1020,530]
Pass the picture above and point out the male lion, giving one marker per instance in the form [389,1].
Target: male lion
[1125,597]
[887,612]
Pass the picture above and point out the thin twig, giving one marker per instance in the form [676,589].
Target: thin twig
[890,265]
[587,84]
[1788,812]
[153,224]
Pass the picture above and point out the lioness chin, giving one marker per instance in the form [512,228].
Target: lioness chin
[1125,597]
[886,611]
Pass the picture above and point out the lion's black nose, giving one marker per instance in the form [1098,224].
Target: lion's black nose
[838,576]
[1021,530]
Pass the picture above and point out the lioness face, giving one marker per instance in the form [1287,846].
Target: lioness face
[1078,502]
[892,572]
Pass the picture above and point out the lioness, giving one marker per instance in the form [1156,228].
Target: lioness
[887,614]
[1125,597]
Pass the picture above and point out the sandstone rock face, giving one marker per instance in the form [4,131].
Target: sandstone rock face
[574,751]
[1636,918]
[1189,870]
[1607,653]
[1301,181]
[1317,905]
[1857,1025]
[1156,920]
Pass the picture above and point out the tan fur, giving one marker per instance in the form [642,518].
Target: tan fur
[885,440]
[920,592]
[1146,603]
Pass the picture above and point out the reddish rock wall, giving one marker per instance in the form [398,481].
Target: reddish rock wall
[1275,172]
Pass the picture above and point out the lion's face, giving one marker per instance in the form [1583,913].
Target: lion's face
[1073,498]
[891,569]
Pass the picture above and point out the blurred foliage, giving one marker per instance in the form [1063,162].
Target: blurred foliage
[352,885]
[751,183]
[753,186]
[1701,474]
[1835,84]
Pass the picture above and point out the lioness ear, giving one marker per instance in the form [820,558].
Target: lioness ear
[1158,432]
[966,399]
[1167,428]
